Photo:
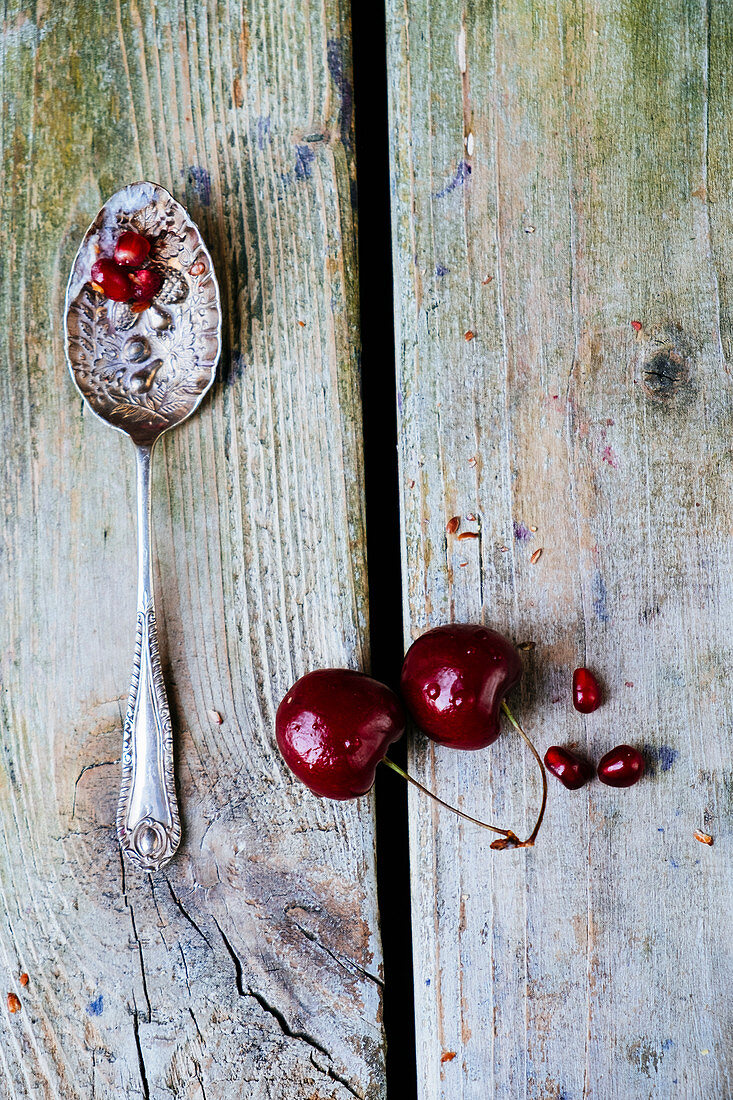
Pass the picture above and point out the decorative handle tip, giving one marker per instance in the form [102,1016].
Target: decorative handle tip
[150,845]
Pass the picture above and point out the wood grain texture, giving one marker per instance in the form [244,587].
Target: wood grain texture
[559,171]
[251,966]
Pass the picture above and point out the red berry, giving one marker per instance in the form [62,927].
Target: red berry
[334,726]
[131,249]
[145,283]
[621,767]
[454,679]
[114,282]
[571,770]
[586,691]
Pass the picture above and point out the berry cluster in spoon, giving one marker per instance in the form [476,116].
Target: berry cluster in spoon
[124,276]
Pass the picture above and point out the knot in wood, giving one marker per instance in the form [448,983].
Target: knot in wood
[664,373]
[666,365]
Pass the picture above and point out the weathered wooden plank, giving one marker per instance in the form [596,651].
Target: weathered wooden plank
[559,171]
[251,966]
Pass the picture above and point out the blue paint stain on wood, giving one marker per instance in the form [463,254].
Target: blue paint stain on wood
[667,757]
[304,157]
[199,181]
[96,1007]
[232,369]
[336,50]
[521,532]
[263,130]
[463,171]
[600,598]
[440,271]
[662,755]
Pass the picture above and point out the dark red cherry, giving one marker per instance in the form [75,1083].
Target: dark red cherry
[334,726]
[621,767]
[572,771]
[454,679]
[145,284]
[114,282]
[586,691]
[131,249]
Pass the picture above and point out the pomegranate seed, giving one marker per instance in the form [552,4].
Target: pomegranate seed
[586,691]
[114,282]
[621,767]
[145,283]
[571,770]
[140,307]
[131,249]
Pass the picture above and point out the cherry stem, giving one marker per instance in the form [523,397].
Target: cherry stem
[467,817]
[529,842]
[511,839]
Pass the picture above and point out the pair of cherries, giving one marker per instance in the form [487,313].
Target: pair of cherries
[621,767]
[334,726]
[122,277]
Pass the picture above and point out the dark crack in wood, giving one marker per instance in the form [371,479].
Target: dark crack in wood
[135,936]
[199,1076]
[235,959]
[330,1072]
[142,962]
[342,960]
[185,967]
[283,1023]
[186,914]
[140,1056]
[86,768]
[161,922]
[196,1025]
[262,1001]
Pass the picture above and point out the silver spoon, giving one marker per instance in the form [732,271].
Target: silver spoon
[143,373]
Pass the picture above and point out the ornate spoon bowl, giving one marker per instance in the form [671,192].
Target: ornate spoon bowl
[143,373]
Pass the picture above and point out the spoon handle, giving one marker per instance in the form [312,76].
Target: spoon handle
[148,826]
